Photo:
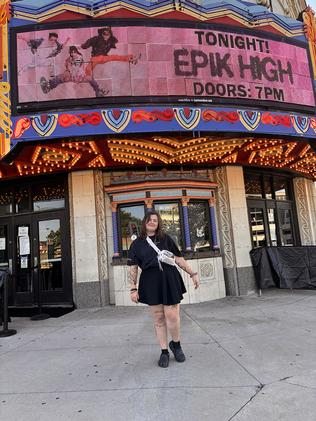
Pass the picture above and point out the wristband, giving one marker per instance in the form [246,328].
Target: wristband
[193,274]
[133,289]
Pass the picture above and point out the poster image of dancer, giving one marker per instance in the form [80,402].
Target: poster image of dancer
[50,70]
[41,56]
[75,71]
[100,47]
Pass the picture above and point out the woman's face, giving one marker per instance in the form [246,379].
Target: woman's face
[152,223]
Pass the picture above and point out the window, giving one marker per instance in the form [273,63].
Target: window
[46,197]
[253,186]
[199,223]
[170,215]
[286,229]
[130,221]
[33,196]
[271,210]
[281,188]
[258,231]
[22,199]
[6,202]
[187,210]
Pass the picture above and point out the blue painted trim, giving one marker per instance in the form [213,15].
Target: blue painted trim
[213,228]
[170,126]
[186,228]
[115,233]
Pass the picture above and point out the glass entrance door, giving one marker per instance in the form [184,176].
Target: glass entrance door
[271,223]
[24,260]
[258,226]
[54,263]
[41,265]
[5,244]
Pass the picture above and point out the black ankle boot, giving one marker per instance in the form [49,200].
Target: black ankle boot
[177,352]
[164,360]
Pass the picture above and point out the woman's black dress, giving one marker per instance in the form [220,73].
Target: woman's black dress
[156,286]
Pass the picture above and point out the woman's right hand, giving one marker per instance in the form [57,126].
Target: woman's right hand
[134,296]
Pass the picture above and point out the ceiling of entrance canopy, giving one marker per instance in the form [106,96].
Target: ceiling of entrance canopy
[127,152]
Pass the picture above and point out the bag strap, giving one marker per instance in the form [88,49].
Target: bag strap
[157,250]
[153,245]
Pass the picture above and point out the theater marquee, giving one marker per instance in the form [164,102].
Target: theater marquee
[127,64]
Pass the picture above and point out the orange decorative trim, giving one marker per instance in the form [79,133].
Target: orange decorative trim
[152,185]
[114,206]
[2,144]
[149,203]
[310,33]
[5,104]
[4,11]
[185,201]
[212,202]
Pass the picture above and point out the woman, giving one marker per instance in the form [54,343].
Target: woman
[160,284]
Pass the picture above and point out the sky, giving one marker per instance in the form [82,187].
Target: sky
[312,3]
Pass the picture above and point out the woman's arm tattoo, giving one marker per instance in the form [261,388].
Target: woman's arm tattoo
[183,265]
[133,270]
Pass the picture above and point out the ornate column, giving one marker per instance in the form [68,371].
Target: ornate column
[101,237]
[310,33]
[115,232]
[5,104]
[304,192]
[234,231]
[185,201]
[212,203]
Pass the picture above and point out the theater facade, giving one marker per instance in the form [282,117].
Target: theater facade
[203,111]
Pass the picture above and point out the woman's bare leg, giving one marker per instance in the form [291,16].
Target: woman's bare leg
[172,314]
[160,325]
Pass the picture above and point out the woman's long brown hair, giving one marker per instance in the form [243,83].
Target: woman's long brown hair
[159,231]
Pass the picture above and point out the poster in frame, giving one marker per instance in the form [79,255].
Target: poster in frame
[117,63]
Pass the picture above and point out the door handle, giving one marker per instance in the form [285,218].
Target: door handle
[10,266]
[35,263]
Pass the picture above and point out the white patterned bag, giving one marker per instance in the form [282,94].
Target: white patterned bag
[163,256]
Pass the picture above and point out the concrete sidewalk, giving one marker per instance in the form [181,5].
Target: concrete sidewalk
[248,359]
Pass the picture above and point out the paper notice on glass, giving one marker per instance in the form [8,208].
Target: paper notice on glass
[24,262]
[23,231]
[24,245]
[3,243]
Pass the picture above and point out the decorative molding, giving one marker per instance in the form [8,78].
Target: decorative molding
[154,119]
[310,33]
[5,103]
[303,211]
[206,270]
[263,3]
[101,232]
[225,220]
[247,15]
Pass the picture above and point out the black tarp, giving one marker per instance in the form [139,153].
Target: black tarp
[285,267]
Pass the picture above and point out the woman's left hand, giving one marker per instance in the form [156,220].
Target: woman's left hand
[196,281]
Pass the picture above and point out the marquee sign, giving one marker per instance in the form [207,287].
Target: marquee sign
[112,64]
